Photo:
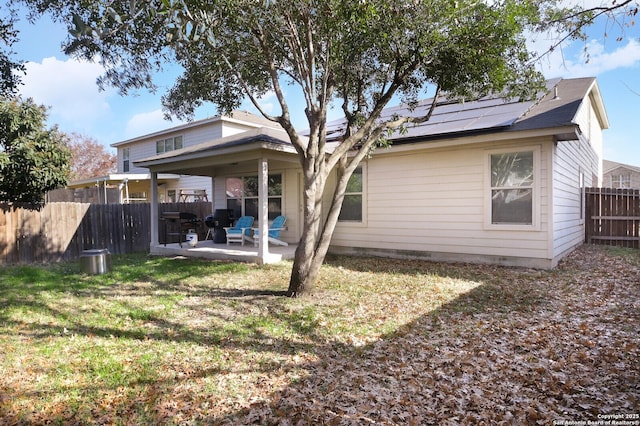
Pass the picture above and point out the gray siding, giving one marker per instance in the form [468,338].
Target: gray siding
[571,159]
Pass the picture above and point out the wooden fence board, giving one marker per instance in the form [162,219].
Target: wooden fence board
[613,217]
[61,231]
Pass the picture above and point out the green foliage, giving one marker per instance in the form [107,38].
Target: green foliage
[33,159]
[9,68]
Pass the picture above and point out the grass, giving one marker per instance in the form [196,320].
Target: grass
[173,340]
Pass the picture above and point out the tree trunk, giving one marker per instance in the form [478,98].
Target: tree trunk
[306,267]
[307,262]
[316,238]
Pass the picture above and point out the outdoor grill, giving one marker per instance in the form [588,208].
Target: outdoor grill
[217,222]
[180,224]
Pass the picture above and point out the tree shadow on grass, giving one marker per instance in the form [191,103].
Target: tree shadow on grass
[563,353]
[520,348]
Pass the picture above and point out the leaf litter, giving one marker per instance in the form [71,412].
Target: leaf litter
[526,347]
[380,342]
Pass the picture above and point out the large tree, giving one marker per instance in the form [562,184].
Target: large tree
[10,68]
[33,158]
[355,55]
[89,158]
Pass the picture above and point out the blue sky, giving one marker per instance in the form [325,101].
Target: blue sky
[76,105]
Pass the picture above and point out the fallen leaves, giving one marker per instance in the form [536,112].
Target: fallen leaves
[425,344]
[572,354]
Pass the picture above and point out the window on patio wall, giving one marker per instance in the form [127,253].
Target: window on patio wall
[242,195]
[512,188]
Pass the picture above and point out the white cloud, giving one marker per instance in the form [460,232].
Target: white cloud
[600,59]
[69,89]
[267,102]
[600,54]
[148,122]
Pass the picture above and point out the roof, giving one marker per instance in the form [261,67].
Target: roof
[553,110]
[555,107]
[261,137]
[608,166]
[240,117]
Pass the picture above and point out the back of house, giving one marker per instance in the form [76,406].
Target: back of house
[493,181]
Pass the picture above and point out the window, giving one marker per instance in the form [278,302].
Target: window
[512,184]
[125,160]
[352,204]
[621,181]
[169,144]
[242,195]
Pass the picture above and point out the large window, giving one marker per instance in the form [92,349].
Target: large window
[353,197]
[621,181]
[125,160]
[242,196]
[169,144]
[512,186]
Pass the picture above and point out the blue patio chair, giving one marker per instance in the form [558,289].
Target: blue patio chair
[241,231]
[274,232]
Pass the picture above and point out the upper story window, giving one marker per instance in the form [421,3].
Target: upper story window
[242,195]
[169,144]
[621,181]
[125,160]
[353,198]
[512,188]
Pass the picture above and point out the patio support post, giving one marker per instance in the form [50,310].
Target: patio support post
[212,196]
[154,210]
[263,209]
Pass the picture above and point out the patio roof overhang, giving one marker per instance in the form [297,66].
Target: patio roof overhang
[206,158]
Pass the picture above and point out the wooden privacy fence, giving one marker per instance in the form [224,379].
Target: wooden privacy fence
[61,231]
[612,217]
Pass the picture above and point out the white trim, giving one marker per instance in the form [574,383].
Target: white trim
[362,223]
[535,198]
[247,174]
[263,209]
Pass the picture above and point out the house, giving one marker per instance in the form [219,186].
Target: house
[492,180]
[131,184]
[618,175]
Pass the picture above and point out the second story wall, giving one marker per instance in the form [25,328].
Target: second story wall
[183,136]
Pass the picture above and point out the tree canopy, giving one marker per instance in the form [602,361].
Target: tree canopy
[9,67]
[357,56]
[33,159]
[89,158]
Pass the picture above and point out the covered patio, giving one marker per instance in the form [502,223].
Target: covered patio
[235,252]
[254,152]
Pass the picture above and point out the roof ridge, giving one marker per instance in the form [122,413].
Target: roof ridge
[550,85]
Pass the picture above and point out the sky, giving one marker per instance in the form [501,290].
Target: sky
[68,87]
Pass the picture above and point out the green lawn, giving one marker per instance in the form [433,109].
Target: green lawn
[174,341]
